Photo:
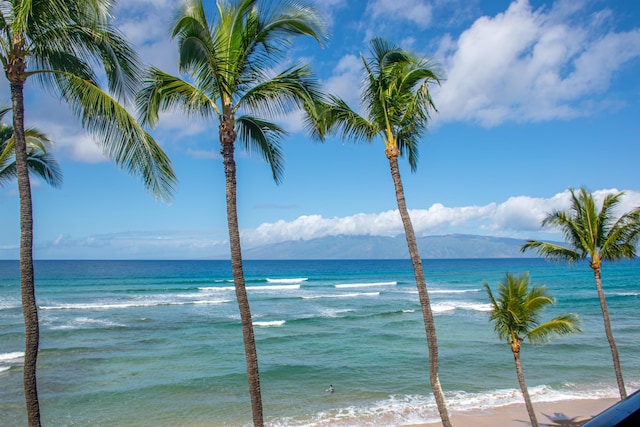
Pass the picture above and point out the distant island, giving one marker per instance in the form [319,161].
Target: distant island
[380,247]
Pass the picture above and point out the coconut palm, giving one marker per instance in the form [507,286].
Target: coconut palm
[230,63]
[58,43]
[397,102]
[594,235]
[39,161]
[516,316]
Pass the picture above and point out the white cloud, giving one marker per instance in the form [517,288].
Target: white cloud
[516,217]
[416,11]
[530,65]
[346,80]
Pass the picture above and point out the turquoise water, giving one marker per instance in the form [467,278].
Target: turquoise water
[159,343]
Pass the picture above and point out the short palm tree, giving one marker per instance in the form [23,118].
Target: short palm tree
[57,43]
[230,64]
[516,316]
[594,235]
[397,102]
[39,161]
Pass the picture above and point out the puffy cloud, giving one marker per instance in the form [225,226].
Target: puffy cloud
[530,65]
[516,217]
[346,80]
[416,11]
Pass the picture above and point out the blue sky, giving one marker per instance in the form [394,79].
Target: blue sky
[539,96]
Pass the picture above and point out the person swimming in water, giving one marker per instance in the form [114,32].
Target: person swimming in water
[330,389]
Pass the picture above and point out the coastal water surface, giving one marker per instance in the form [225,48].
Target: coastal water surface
[159,343]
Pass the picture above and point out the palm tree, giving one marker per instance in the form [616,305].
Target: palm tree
[397,101]
[594,236]
[57,43]
[230,63]
[39,161]
[516,316]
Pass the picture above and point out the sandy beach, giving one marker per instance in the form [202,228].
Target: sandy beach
[565,413]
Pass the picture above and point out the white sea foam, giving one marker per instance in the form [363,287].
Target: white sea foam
[251,288]
[273,288]
[449,306]
[269,324]
[626,294]
[328,312]
[442,308]
[453,291]
[87,323]
[132,304]
[365,285]
[294,280]
[4,368]
[8,304]
[408,310]
[420,409]
[15,356]
[474,306]
[217,288]
[348,295]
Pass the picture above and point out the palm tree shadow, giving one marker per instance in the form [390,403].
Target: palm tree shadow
[558,419]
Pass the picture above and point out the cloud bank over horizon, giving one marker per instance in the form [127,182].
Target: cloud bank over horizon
[516,217]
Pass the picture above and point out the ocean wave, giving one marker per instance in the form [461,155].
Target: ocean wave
[87,323]
[347,295]
[364,285]
[132,304]
[251,288]
[269,323]
[625,294]
[449,306]
[454,291]
[420,409]
[4,368]
[294,280]
[217,288]
[14,356]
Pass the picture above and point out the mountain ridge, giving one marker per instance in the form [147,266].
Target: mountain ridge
[383,247]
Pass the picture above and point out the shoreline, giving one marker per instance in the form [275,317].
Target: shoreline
[561,413]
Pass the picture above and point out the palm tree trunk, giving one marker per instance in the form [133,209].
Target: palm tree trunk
[227,139]
[423,294]
[523,388]
[27,283]
[609,333]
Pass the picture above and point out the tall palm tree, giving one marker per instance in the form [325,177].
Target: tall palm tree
[58,43]
[229,64]
[516,316]
[397,102]
[39,161]
[594,235]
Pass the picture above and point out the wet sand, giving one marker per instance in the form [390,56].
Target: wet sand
[565,413]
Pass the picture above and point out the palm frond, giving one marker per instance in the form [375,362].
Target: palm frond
[122,138]
[263,138]
[589,232]
[552,251]
[291,89]
[342,119]
[516,311]
[45,166]
[162,91]
[562,325]
[78,43]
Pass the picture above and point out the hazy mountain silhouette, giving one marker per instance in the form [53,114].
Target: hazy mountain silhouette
[379,247]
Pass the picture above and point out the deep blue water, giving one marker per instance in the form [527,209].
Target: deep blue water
[159,343]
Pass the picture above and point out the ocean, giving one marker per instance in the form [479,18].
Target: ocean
[159,343]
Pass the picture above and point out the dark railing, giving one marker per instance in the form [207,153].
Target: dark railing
[625,413]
